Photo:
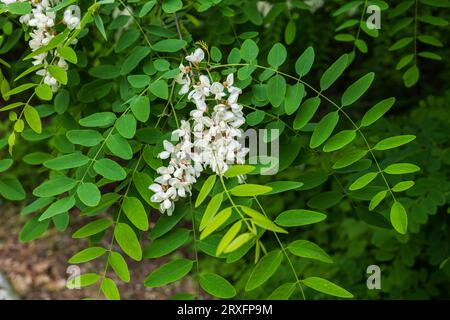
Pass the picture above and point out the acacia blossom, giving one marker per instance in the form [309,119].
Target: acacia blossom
[209,140]
[42,23]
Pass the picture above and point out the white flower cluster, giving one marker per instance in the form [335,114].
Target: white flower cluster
[211,140]
[42,21]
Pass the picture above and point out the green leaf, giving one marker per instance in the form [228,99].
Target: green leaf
[109,169]
[228,237]
[306,112]
[92,228]
[255,117]
[399,218]
[205,190]
[357,89]
[19,8]
[401,168]
[290,32]
[282,186]
[58,207]
[59,6]
[68,54]
[142,181]
[299,217]
[276,90]
[126,126]
[100,26]
[238,242]
[86,138]
[265,268]
[261,220]
[136,56]
[135,211]
[99,119]
[119,147]
[18,89]
[11,189]
[377,111]
[171,6]
[211,209]
[168,273]
[105,71]
[339,140]
[237,170]
[433,41]
[249,190]
[363,181]
[119,265]
[32,118]
[109,289]
[216,222]
[324,129]
[160,89]
[33,229]
[128,241]
[377,199]
[277,55]
[430,55]
[310,250]
[217,286]
[62,100]
[5,164]
[87,255]
[349,158]
[54,186]
[411,76]
[249,50]
[404,61]
[327,287]
[166,244]
[44,92]
[283,292]
[394,142]
[401,43]
[129,37]
[165,223]
[169,45]
[89,194]
[67,161]
[403,186]
[333,72]
[58,73]
[294,96]
[61,221]
[82,280]
[305,62]
[139,81]
[140,106]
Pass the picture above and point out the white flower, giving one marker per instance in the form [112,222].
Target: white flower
[201,89]
[263,7]
[196,57]
[184,79]
[217,90]
[72,16]
[42,23]
[168,149]
[210,141]
[314,4]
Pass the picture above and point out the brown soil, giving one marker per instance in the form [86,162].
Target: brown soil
[38,270]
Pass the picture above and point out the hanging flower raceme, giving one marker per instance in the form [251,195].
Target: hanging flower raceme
[209,140]
[42,23]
